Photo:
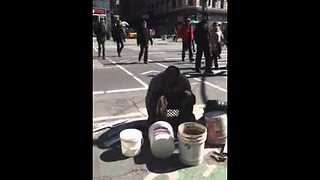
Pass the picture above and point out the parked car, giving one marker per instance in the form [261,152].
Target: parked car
[132,34]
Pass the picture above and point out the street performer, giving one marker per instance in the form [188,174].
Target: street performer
[170,90]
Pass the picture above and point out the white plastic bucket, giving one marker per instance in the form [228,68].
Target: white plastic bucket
[216,123]
[131,142]
[161,139]
[192,137]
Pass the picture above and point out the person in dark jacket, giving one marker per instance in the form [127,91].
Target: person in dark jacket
[216,38]
[100,32]
[119,36]
[170,90]
[187,33]
[202,41]
[143,39]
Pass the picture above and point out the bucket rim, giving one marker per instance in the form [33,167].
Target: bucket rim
[192,138]
[214,114]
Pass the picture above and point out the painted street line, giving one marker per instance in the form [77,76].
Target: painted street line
[152,53]
[197,79]
[129,73]
[148,72]
[103,118]
[119,91]
[126,90]
[126,71]
[98,92]
[212,85]
[173,58]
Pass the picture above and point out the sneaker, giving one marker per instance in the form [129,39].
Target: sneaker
[182,59]
[145,62]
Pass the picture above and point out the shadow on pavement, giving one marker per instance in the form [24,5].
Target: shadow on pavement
[113,149]
[156,165]
[113,154]
[187,68]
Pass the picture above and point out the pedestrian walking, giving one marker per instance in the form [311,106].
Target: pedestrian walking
[215,40]
[175,36]
[187,33]
[100,32]
[170,90]
[119,36]
[202,41]
[143,39]
[220,38]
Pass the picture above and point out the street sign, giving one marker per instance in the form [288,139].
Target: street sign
[99,11]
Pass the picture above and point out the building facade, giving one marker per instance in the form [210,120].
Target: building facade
[168,13]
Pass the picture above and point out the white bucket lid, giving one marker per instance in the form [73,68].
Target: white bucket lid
[131,135]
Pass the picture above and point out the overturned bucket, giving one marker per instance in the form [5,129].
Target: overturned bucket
[161,139]
[192,137]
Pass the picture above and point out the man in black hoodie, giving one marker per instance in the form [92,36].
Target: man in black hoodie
[143,39]
[170,90]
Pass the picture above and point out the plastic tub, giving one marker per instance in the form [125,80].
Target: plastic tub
[131,142]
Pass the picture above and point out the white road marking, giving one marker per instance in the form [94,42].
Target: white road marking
[197,79]
[173,58]
[197,111]
[150,53]
[117,117]
[119,91]
[212,85]
[126,90]
[98,92]
[126,71]
[129,73]
[148,72]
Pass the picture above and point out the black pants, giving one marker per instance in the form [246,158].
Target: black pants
[101,41]
[214,57]
[193,46]
[119,46]
[143,51]
[187,46]
[203,50]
